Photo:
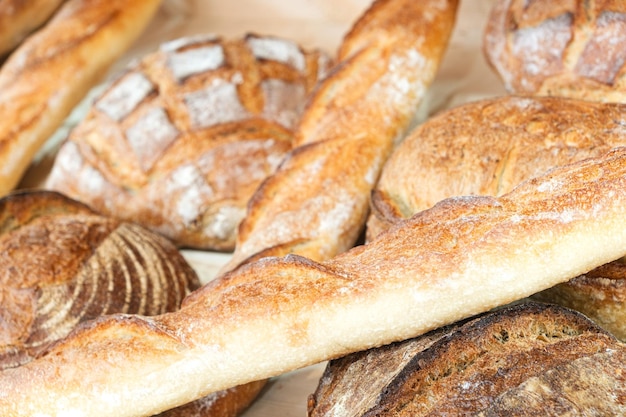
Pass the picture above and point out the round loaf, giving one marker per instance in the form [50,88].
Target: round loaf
[488,147]
[560,48]
[529,359]
[61,264]
[183,137]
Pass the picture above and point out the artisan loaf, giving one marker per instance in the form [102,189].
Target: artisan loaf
[62,264]
[528,359]
[487,147]
[19,18]
[53,70]
[180,140]
[559,48]
[464,256]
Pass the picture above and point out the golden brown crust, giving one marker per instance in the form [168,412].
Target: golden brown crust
[64,264]
[181,139]
[19,18]
[462,257]
[385,64]
[483,367]
[52,71]
[600,294]
[559,48]
[487,147]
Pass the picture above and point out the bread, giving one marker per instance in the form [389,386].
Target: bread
[316,204]
[600,294]
[487,147]
[559,48]
[19,18]
[464,256]
[528,359]
[63,264]
[52,71]
[181,139]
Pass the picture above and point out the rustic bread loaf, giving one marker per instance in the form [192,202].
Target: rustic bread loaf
[488,147]
[529,359]
[316,204]
[63,264]
[19,18]
[464,256]
[560,48]
[181,139]
[53,70]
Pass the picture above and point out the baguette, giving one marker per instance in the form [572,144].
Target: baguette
[19,18]
[52,71]
[316,204]
[464,256]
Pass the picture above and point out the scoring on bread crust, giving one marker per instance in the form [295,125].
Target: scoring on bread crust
[223,110]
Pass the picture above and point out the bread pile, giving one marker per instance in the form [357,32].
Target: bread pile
[298,292]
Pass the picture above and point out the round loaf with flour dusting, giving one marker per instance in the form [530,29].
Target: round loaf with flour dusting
[182,138]
[562,48]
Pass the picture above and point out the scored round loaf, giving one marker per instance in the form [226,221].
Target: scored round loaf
[529,359]
[562,48]
[61,264]
[183,137]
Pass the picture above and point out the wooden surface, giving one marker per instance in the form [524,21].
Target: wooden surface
[464,76]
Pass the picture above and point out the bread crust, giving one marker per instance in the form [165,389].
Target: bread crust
[53,70]
[559,48]
[64,263]
[353,120]
[487,147]
[462,257]
[489,365]
[19,18]
[180,140]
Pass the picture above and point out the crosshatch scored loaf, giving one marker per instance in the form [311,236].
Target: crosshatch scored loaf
[182,138]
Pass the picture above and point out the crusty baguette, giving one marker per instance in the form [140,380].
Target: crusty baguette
[18,18]
[54,69]
[464,256]
[528,359]
[315,205]
[559,48]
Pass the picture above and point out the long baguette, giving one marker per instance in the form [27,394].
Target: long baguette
[53,70]
[463,256]
[316,203]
